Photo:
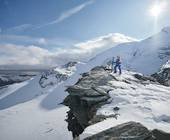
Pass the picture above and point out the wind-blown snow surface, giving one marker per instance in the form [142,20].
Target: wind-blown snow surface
[30,121]
[147,103]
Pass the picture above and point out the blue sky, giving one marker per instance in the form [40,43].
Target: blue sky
[93,18]
[55,24]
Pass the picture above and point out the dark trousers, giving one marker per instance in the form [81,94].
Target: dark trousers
[119,68]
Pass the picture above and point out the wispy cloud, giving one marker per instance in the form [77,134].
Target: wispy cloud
[19,28]
[68,13]
[38,41]
[22,40]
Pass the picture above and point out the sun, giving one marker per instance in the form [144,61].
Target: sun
[156,10]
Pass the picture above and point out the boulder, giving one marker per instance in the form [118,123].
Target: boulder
[160,135]
[126,131]
[163,77]
[89,87]
[144,78]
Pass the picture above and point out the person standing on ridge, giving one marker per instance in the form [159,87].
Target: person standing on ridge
[118,65]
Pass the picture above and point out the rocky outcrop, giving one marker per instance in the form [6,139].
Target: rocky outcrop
[8,79]
[57,75]
[90,88]
[144,78]
[130,131]
[51,78]
[69,64]
[163,77]
[160,135]
[85,97]
[126,131]
[7,82]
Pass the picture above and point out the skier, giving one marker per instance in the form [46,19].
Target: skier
[117,65]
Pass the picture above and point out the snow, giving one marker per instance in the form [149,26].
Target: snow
[30,121]
[145,56]
[12,77]
[5,91]
[146,103]
[31,112]
[54,77]
[28,90]
[28,111]
[167,65]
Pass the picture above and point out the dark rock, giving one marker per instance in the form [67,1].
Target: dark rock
[160,135]
[85,97]
[144,78]
[89,88]
[6,80]
[85,74]
[163,77]
[99,118]
[116,108]
[126,131]
[45,78]
[69,64]
[79,115]
[53,76]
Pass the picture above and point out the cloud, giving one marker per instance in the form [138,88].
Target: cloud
[15,39]
[19,28]
[109,40]
[38,41]
[22,55]
[68,13]
[32,55]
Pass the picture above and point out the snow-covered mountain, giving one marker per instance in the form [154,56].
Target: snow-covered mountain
[146,56]
[11,79]
[163,76]
[57,75]
[8,77]
[35,104]
[41,84]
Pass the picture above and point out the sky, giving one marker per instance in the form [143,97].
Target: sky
[53,26]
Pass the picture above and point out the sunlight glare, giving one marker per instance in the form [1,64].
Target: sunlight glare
[156,10]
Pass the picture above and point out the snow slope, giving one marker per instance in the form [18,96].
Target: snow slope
[147,103]
[28,111]
[28,106]
[42,84]
[146,56]
[30,121]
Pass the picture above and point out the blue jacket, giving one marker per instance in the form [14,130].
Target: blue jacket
[118,62]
